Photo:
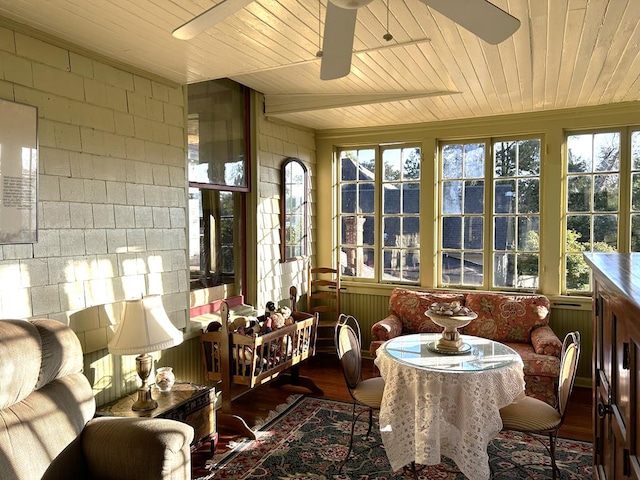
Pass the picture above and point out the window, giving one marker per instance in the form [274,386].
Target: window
[214,230]
[592,203]
[294,210]
[495,247]
[217,119]
[634,234]
[380,243]
[218,179]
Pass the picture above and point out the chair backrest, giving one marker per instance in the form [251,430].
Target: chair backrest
[347,340]
[323,292]
[568,368]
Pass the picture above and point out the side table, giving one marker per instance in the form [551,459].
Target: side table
[186,402]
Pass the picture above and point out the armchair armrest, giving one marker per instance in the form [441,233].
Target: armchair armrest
[387,328]
[138,448]
[383,330]
[545,341]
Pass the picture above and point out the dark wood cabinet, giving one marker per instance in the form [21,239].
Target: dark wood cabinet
[186,402]
[616,364]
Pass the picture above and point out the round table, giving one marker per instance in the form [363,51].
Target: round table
[445,404]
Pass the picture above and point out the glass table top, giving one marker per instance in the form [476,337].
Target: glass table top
[483,354]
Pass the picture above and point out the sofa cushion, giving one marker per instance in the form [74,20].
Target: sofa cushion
[410,306]
[506,318]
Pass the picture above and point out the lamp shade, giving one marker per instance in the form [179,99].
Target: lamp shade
[144,328]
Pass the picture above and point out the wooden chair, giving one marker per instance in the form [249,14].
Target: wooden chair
[323,298]
[365,393]
[530,415]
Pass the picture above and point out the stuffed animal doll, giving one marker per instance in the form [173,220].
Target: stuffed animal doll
[277,317]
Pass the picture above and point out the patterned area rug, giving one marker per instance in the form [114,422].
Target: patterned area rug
[308,439]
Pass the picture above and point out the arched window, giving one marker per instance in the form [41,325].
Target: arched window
[294,210]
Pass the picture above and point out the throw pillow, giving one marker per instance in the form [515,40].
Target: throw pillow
[507,318]
[410,306]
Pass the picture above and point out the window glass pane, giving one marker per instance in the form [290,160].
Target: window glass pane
[473,233]
[505,196]
[452,197]
[505,159]
[391,231]
[605,233]
[217,137]
[411,158]
[472,269]
[503,270]
[452,161]
[606,151]
[348,167]
[635,150]
[473,196]
[578,273]
[635,192]
[411,197]
[474,160]
[579,194]
[579,232]
[527,270]
[391,165]
[452,232]
[635,233]
[411,232]
[529,233]
[529,195]
[504,233]
[605,197]
[529,157]
[215,217]
[391,197]
[580,153]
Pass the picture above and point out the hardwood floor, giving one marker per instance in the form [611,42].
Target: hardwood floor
[324,370]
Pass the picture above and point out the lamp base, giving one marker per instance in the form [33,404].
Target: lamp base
[144,401]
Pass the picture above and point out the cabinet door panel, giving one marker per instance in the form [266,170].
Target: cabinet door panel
[622,385]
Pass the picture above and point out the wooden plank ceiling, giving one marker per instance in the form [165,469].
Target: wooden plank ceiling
[567,53]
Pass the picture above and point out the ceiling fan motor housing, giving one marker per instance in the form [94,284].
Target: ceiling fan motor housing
[351,4]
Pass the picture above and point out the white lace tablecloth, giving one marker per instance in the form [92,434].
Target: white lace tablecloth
[428,413]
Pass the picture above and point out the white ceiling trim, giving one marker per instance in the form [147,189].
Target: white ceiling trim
[306,102]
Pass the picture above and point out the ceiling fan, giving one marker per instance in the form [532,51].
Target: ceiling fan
[480,17]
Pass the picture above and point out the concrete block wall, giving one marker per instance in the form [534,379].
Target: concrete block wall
[277,141]
[112,191]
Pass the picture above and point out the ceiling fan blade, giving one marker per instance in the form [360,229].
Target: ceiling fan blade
[337,42]
[480,17]
[209,18]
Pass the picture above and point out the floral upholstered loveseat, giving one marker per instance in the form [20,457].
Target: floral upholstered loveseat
[519,321]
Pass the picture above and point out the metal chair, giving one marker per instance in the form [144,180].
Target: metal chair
[365,393]
[530,415]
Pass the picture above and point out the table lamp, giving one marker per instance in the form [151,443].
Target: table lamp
[143,328]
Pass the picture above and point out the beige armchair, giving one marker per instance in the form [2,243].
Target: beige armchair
[46,408]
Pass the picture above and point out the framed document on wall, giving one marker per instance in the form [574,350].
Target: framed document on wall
[18,172]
